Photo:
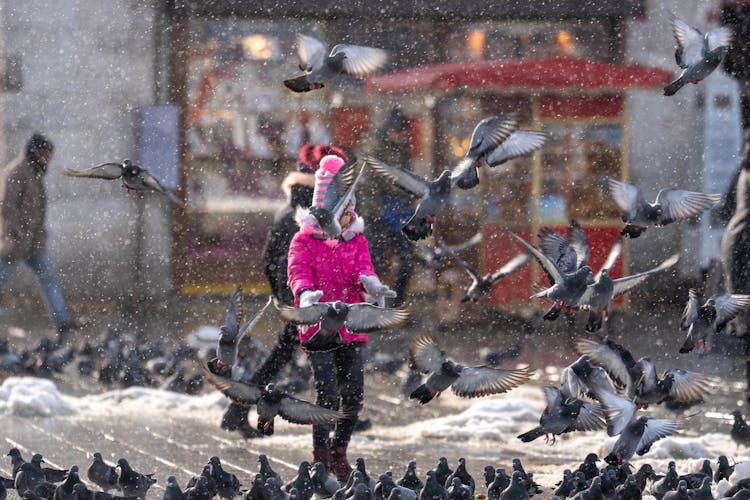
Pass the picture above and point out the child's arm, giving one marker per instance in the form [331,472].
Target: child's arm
[365,274]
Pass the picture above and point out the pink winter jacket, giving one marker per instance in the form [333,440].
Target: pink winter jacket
[332,266]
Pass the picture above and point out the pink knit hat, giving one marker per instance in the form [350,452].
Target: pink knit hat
[329,167]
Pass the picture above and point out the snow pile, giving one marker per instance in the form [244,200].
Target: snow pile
[32,397]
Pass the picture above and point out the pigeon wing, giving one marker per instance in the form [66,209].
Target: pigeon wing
[656,429]
[239,392]
[545,262]
[361,61]
[476,381]
[152,183]
[425,355]
[627,197]
[608,358]
[590,418]
[622,285]
[474,240]
[249,325]
[553,245]
[678,204]
[579,243]
[232,322]
[614,254]
[689,43]
[719,37]
[298,411]
[511,267]
[403,178]
[311,52]
[519,143]
[729,306]
[333,196]
[489,134]
[618,412]
[690,313]
[688,386]
[108,171]
[343,202]
[367,318]
[469,269]
[303,315]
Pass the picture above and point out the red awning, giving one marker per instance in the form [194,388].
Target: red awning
[552,73]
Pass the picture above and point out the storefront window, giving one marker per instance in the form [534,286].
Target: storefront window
[495,41]
[575,165]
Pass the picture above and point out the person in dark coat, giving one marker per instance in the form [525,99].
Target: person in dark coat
[735,248]
[23,234]
[387,209]
[298,187]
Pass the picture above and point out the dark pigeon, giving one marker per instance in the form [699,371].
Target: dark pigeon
[101,474]
[565,414]
[131,482]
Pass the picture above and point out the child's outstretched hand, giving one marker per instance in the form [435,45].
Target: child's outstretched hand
[309,297]
[375,290]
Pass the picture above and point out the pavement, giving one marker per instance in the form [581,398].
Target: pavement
[179,444]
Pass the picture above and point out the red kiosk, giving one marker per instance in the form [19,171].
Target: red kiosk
[582,104]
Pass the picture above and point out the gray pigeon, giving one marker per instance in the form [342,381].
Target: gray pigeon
[410,479]
[65,490]
[697,54]
[563,415]
[101,474]
[567,255]
[302,482]
[679,494]
[28,477]
[358,318]
[385,486]
[431,256]
[639,379]
[173,490]
[266,471]
[320,66]
[432,489]
[134,178]
[227,484]
[465,381]
[324,485]
[462,475]
[49,473]
[565,289]
[638,436]
[515,490]
[599,294]
[671,205]
[132,483]
[272,401]
[488,135]
[231,334]
[711,317]
[16,460]
[481,286]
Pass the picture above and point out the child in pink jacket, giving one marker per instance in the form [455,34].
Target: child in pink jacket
[326,270]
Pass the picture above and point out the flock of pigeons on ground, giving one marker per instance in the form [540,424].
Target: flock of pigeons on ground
[589,481]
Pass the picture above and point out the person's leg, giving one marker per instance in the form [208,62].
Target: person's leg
[326,387]
[351,381]
[405,252]
[281,354]
[45,273]
[7,266]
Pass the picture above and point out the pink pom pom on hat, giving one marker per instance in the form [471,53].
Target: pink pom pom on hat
[329,167]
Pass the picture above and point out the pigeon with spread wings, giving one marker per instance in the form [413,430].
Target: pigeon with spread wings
[711,317]
[321,66]
[134,178]
[671,205]
[272,401]
[481,286]
[464,381]
[697,54]
[333,193]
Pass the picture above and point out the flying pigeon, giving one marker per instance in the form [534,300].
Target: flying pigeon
[639,379]
[432,256]
[599,294]
[487,136]
[638,435]
[568,255]
[320,66]
[272,401]
[697,54]
[435,193]
[481,286]
[713,316]
[564,414]
[566,289]
[358,318]
[134,178]
[231,334]
[671,205]
[465,381]
[519,143]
